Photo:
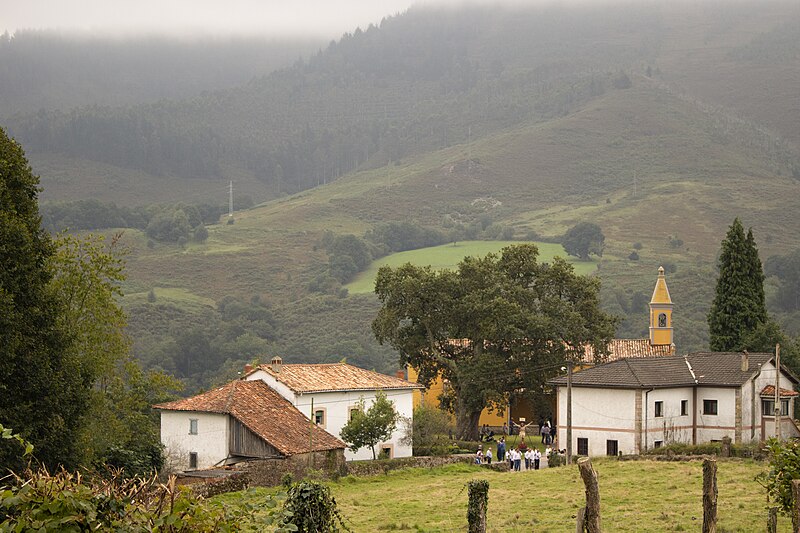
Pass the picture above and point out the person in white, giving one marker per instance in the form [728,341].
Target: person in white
[537,457]
[528,458]
[488,456]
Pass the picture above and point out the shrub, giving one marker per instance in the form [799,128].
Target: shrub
[556,459]
[784,466]
[41,501]
[311,508]
[633,256]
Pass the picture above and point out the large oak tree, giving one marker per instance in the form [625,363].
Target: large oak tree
[492,327]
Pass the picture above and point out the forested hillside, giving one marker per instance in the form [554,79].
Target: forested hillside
[659,123]
[48,70]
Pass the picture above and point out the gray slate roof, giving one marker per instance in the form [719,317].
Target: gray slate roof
[707,368]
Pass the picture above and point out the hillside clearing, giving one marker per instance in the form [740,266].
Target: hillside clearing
[449,255]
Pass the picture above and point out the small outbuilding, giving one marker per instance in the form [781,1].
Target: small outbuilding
[240,421]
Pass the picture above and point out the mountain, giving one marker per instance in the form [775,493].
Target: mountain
[653,121]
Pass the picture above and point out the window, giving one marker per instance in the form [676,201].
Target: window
[319,417]
[353,411]
[659,411]
[192,426]
[612,447]
[387,452]
[658,443]
[583,446]
[662,320]
[192,460]
[684,407]
[709,407]
[768,407]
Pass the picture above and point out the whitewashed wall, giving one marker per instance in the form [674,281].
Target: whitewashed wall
[672,427]
[210,443]
[598,415]
[337,407]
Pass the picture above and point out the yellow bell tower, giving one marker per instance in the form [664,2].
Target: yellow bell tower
[661,313]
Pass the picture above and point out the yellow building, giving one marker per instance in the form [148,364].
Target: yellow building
[659,344]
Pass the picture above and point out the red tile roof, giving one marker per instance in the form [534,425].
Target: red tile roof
[627,348]
[334,377]
[769,391]
[265,412]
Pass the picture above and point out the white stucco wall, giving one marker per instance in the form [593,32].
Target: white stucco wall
[671,427]
[337,407]
[598,415]
[210,443]
[274,384]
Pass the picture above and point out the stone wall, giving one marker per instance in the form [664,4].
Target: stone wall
[270,472]
[319,465]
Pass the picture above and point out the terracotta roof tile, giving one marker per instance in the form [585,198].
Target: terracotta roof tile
[265,412]
[626,348]
[334,377]
[769,391]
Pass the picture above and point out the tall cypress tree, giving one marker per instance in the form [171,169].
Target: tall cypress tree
[41,396]
[739,307]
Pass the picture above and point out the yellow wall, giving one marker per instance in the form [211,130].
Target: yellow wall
[658,335]
[430,396]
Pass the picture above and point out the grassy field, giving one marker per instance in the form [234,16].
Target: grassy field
[449,255]
[635,496]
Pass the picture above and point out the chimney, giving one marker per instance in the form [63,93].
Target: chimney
[248,368]
[400,374]
[276,363]
[745,361]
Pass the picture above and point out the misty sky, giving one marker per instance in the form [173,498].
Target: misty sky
[328,18]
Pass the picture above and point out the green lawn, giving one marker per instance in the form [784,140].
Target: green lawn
[449,255]
[635,496]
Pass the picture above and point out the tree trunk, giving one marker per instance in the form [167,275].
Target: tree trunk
[467,423]
[591,516]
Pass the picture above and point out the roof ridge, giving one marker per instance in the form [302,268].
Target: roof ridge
[633,372]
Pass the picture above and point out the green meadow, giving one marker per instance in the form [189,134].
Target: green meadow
[449,255]
[636,496]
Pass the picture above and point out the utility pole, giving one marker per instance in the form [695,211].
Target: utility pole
[230,199]
[778,392]
[311,435]
[569,413]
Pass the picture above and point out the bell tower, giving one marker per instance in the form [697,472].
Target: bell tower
[661,313]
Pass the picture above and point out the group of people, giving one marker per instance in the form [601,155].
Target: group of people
[514,456]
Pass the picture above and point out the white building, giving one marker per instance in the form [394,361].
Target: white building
[239,421]
[330,392]
[632,405]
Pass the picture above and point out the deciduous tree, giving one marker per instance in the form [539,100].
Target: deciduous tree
[371,426]
[495,325]
[584,239]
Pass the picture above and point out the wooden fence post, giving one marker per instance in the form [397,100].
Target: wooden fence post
[772,523]
[591,514]
[725,451]
[795,505]
[476,509]
[709,496]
